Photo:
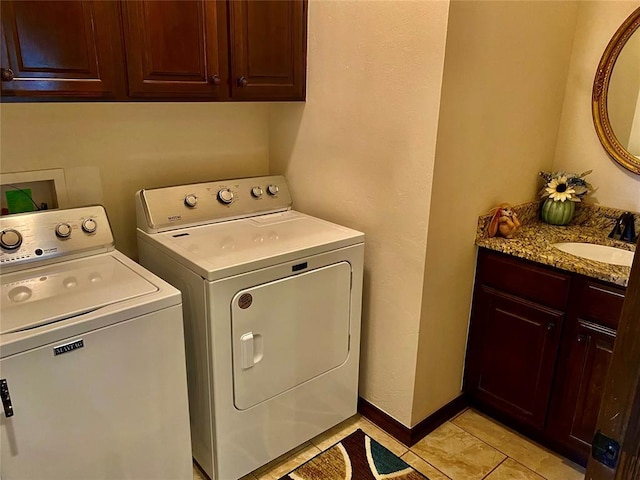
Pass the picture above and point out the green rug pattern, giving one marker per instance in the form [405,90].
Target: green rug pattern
[355,457]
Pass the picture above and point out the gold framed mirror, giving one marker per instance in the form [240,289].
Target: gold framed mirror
[616,96]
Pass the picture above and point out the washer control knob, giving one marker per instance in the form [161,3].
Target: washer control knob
[225,196]
[63,230]
[256,192]
[10,239]
[191,200]
[273,189]
[89,225]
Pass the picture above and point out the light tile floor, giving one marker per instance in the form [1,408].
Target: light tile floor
[470,446]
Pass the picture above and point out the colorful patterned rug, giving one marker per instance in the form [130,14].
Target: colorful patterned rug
[356,457]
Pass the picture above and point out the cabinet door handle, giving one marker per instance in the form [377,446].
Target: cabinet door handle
[551,327]
[214,79]
[7,75]
[581,338]
[243,82]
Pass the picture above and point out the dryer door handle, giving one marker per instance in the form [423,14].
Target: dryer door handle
[246,350]
[250,349]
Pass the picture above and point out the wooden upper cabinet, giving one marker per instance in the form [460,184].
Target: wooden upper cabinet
[268,49]
[61,48]
[154,49]
[176,48]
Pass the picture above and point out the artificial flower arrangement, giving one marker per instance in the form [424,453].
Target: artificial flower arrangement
[562,191]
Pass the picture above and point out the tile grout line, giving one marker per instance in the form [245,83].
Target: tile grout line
[496,467]
[432,466]
[483,441]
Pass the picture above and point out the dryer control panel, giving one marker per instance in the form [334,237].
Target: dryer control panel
[170,208]
[49,234]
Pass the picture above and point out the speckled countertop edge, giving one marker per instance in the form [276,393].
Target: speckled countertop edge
[534,240]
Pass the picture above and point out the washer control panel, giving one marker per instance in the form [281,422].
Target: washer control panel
[170,208]
[31,237]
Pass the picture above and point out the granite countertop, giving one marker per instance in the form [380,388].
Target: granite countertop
[533,241]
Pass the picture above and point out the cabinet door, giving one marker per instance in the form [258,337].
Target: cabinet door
[581,386]
[176,48]
[268,49]
[513,346]
[62,48]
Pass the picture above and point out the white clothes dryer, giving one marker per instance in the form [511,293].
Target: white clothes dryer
[272,306]
[92,365]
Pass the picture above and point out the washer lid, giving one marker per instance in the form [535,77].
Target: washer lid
[44,295]
[229,248]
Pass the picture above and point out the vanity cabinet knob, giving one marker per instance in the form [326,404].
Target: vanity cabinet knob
[551,327]
[214,79]
[243,82]
[7,75]
[582,338]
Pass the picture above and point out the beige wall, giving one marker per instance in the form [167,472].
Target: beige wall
[578,146]
[360,152]
[109,151]
[505,71]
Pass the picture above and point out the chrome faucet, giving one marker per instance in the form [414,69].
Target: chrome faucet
[624,228]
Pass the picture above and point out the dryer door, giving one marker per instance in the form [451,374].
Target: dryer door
[289,331]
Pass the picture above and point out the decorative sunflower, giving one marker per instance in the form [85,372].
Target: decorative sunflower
[559,190]
[562,186]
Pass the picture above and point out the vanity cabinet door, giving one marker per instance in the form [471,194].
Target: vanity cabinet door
[513,345]
[62,49]
[580,386]
[586,352]
[268,49]
[176,48]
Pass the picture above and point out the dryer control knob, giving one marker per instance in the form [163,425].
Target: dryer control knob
[225,196]
[273,189]
[89,225]
[191,200]
[10,239]
[256,192]
[63,230]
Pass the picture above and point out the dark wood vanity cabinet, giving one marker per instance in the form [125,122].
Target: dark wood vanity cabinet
[515,345]
[155,49]
[586,352]
[540,344]
[62,49]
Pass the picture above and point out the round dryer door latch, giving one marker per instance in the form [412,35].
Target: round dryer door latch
[245,301]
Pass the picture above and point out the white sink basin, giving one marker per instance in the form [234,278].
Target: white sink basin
[601,253]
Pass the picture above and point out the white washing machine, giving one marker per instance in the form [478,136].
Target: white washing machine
[272,302]
[92,365]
